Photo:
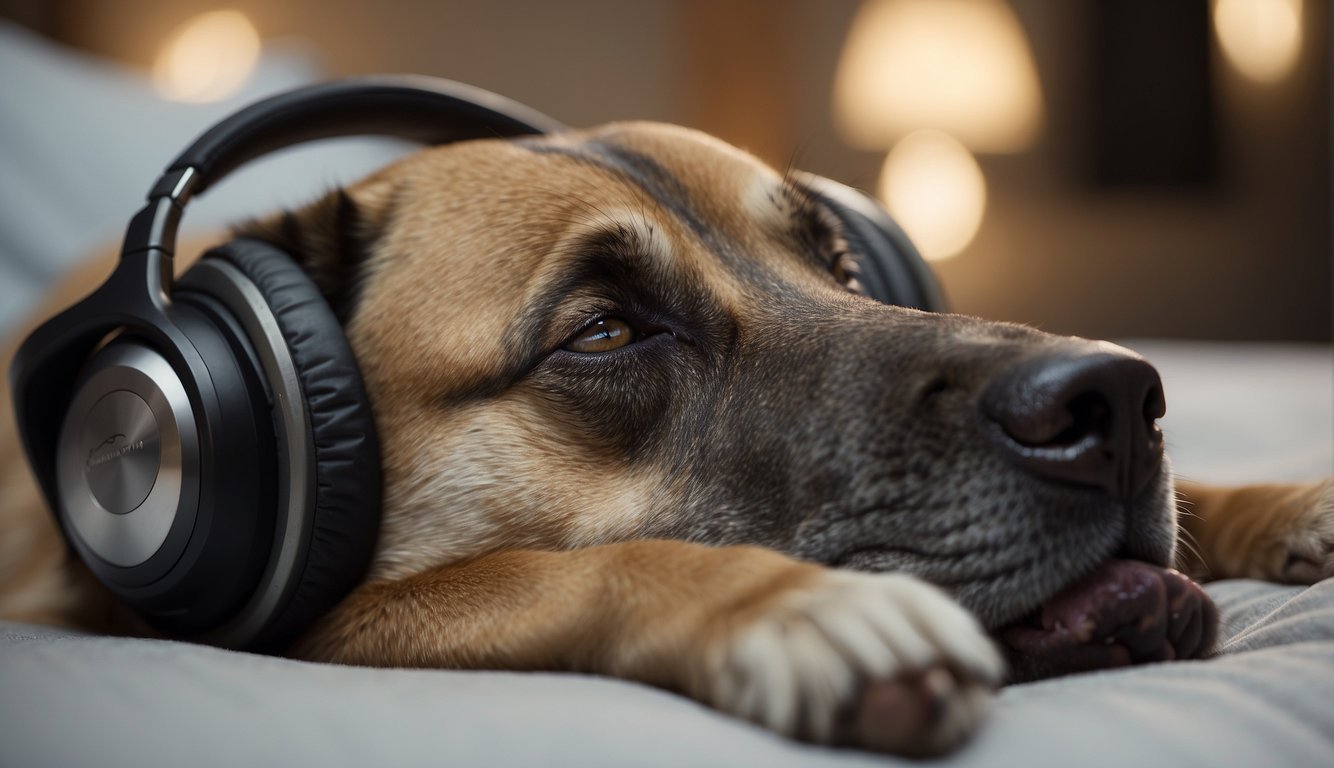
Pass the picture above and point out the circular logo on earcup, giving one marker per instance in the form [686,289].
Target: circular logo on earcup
[121,441]
[128,456]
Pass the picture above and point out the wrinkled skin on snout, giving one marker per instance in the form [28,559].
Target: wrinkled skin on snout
[849,433]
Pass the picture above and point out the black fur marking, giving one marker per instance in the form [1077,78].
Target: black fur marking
[816,232]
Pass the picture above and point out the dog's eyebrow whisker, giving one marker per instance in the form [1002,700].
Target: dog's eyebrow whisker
[642,197]
[596,212]
[793,160]
[591,208]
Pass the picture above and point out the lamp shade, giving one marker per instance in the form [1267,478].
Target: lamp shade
[208,58]
[1261,38]
[962,67]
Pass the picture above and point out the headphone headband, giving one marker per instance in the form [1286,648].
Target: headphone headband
[422,109]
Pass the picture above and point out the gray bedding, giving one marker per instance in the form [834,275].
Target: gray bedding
[72,700]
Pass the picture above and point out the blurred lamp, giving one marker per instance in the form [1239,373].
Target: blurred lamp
[935,189]
[937,80]
[958,66]
[1261,38]
[207,58]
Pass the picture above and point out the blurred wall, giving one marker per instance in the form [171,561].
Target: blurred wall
[1247,257]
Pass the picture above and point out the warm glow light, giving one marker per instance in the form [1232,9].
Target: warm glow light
[935,190]
[958,66]
[1260,37]
[208,58]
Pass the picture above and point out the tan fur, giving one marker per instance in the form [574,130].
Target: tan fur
[530,553]
[667,606]
[1275,532]
[553,500]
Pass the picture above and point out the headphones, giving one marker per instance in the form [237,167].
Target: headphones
[206,443]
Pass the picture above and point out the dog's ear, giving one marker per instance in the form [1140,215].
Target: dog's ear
[332,239]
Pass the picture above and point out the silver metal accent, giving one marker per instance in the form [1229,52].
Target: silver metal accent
[295,450]
[130,391]
[124,451]
[185,184]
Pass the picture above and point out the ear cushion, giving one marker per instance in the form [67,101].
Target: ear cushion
[346,508]
[892,270]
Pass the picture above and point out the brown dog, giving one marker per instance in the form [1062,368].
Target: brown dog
[635,420]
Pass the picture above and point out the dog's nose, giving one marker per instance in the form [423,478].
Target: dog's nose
[1084,418]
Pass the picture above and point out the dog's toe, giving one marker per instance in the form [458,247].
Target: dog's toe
[1308,544]
[1297,544]
[917,715]
[881,662]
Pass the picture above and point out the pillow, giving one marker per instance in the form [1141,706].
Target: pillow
[82,140]
[69,699]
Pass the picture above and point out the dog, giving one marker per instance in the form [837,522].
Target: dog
[637,420]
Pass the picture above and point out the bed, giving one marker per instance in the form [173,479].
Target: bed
[69,699]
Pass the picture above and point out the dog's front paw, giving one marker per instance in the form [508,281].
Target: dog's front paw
[1302,548]
[882,662]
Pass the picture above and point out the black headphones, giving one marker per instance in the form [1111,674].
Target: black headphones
[206,443]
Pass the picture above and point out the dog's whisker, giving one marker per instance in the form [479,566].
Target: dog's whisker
[1193,553]
[1187,541]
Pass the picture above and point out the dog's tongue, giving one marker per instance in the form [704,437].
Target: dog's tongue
[1125,612]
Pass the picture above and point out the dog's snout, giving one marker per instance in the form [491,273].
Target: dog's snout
[1081,418]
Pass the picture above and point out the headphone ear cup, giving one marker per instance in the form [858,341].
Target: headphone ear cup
[329,468]
[892,270]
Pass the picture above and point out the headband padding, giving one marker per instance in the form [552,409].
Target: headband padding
[346,449]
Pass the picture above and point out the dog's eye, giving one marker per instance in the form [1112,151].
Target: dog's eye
[602,335]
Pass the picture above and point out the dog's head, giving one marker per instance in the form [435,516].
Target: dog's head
[638,331]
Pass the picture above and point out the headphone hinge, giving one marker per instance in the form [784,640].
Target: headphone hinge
[153,228]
